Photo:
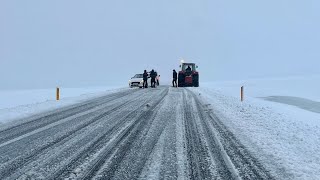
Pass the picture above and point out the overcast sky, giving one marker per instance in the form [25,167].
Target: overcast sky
[77,43]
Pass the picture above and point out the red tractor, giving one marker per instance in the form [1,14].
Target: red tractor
[188,76]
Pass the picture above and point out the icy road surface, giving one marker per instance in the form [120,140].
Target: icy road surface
[163,133]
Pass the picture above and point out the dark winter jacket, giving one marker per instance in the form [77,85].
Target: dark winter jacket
[153,75]
[145,76]
[175,75]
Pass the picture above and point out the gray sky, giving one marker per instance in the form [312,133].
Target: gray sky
[78,43]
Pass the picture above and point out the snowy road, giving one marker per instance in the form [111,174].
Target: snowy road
[163,133]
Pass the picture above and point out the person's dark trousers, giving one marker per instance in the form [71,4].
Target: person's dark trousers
[174,83]
[145,83]
[153,82]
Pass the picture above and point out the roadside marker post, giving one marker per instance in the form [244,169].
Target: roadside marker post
[241,93]
[58,94]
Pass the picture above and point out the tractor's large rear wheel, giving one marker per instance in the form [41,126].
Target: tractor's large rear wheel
[181,80]
[195,81]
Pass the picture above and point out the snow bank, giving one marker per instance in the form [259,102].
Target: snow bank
[18,104]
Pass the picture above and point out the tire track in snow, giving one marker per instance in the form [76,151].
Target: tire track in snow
[236,157]
[197,152]
[54,124]
[220,168]
[181,150]
[20,161]
[153,165]
[162,162]
[123,154]
[26,127]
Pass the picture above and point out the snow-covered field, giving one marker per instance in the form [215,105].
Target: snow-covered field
[295,86]
[285,134]
[16,104]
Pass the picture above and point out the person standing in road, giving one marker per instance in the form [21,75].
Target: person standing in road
[175,77]
[158,80]
[145,79]
[153,76]
[188,71]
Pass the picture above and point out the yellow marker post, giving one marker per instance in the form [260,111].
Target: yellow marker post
[241,93]
[58,94]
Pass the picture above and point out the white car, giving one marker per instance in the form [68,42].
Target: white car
[137,81]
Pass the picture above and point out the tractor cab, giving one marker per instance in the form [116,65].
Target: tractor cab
[188,75]
[188,68]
